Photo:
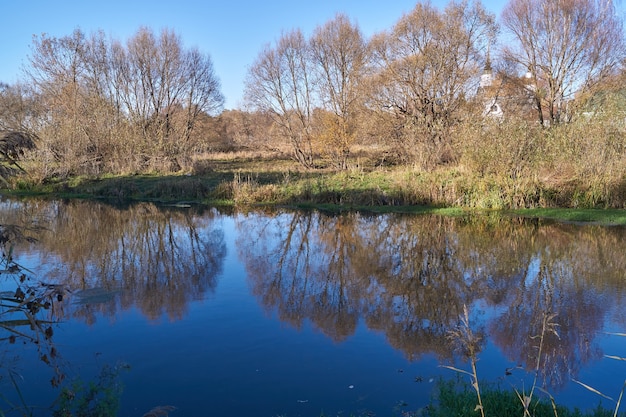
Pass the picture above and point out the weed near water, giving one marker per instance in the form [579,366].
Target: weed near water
[246,182]
[100,397]
[456,398]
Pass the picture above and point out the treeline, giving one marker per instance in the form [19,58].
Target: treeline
[403,87]
[431,82]
[533,99]
[97,105]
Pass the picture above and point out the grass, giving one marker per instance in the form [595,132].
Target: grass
[602,216]
[252,180]
[455,398]
[474,399]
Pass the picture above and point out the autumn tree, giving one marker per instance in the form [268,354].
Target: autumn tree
[339,54]
[17,108]
[424,69]
[17,128]
[248,129]
[280,83]
[56,72]
[111,107]
[564,46]
[165,88]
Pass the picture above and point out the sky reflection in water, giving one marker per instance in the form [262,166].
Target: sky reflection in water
[296,313]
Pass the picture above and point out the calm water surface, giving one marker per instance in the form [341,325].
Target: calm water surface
[296,313]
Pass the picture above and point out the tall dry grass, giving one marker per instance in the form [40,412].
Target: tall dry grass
[469,343]
[576,164]
[486,164]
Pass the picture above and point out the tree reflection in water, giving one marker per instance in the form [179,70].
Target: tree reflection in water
[153,258]
[410,276]
[99,259]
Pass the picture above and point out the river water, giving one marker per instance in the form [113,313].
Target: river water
[299,313]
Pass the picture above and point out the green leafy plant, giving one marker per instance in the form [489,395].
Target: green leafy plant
[100,397]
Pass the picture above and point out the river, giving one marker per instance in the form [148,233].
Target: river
[299,313]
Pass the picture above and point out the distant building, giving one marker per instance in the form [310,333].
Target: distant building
[503,96]
[486,93]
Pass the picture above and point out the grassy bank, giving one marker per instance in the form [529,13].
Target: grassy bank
[458,399]
[237,180]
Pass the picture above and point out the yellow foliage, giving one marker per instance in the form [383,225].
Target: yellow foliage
[333,138]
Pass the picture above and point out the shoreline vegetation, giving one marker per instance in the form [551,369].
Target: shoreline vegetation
[436,114]
[263,180]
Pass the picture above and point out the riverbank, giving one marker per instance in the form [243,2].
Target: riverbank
[244,181]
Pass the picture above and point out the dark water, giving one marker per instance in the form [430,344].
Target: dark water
[298,313]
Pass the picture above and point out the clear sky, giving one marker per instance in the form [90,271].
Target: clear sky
[232,32]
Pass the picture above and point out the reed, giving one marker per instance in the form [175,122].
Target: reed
[459,399]
[473,400]
[470,344]
[456,398]
[617,401]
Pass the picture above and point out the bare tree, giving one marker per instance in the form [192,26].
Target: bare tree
[18,109]
[566,46]
[56,73]
[339,53]
[279,83]
[425,67]
[152,74]
[248,129]
[202,93]
[170,87]
[106,101]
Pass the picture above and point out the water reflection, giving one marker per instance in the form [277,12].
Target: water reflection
[410,277]
[153,258]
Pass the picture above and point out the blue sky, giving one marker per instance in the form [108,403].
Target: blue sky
[231,31]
